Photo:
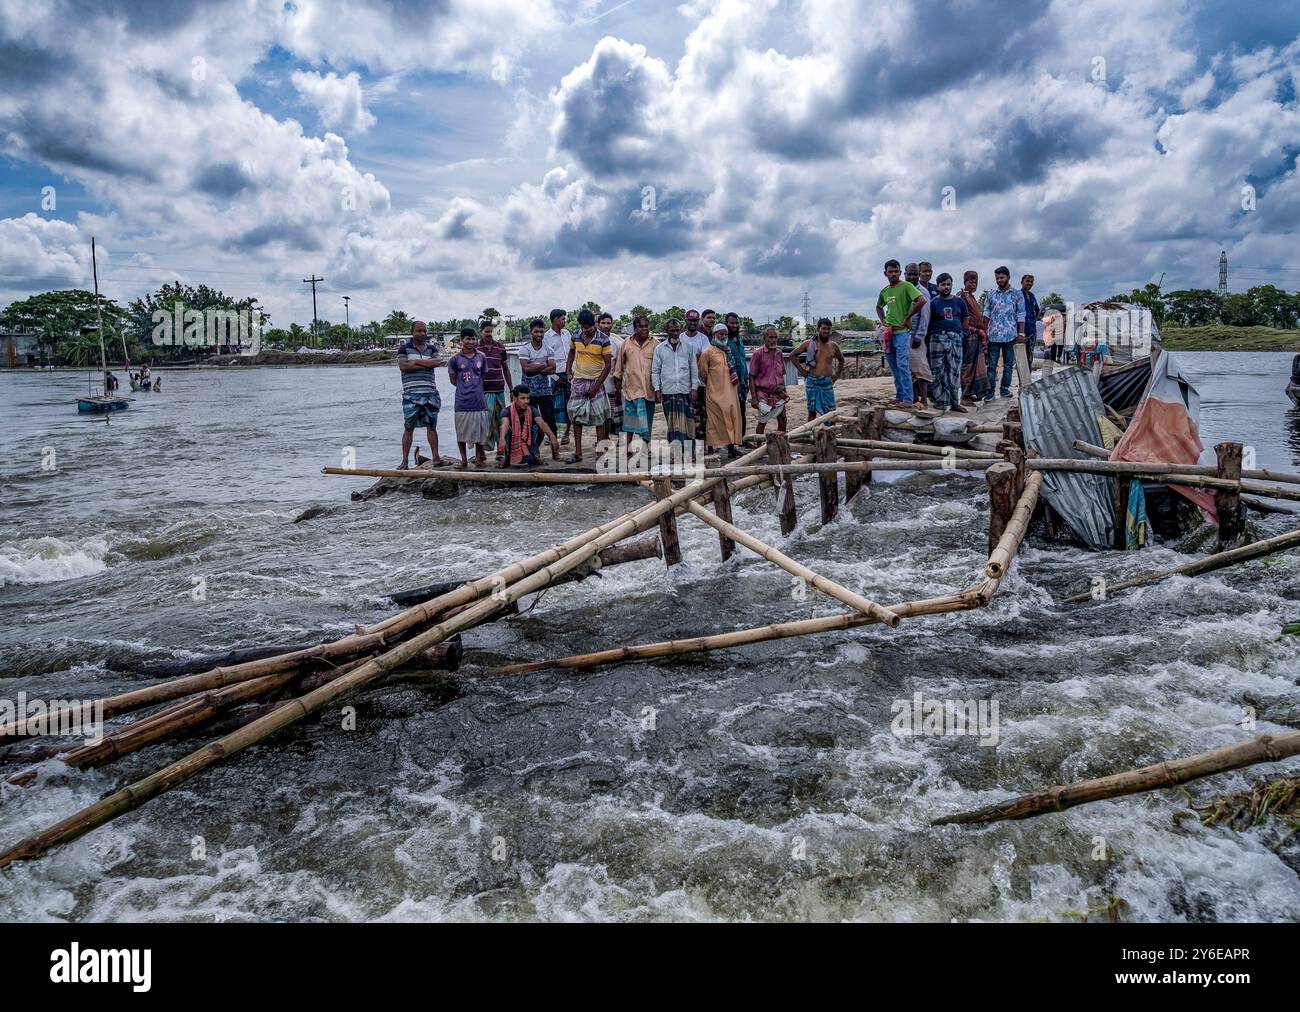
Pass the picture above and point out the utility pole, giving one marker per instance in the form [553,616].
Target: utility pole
[347,317]
[312,281]
[1223,272]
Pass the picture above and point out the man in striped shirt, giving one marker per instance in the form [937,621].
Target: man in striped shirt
[421,401]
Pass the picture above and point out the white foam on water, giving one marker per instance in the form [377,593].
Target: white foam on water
[51,560]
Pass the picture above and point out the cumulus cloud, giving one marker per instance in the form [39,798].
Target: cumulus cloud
[338,101]
[763,148]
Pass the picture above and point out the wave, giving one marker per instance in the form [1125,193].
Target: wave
[51,560]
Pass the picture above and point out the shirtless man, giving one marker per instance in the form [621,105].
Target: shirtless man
[820,362]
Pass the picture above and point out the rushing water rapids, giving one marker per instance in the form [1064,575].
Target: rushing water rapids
[770,785]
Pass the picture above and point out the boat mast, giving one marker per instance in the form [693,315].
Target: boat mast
[99,317]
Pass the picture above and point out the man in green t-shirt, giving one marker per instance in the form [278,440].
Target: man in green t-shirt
[896,306]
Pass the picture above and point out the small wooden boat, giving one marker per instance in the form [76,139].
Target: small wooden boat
[102,405]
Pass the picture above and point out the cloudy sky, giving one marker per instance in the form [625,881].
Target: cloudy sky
[448,155]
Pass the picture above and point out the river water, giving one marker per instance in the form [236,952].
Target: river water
[760,783]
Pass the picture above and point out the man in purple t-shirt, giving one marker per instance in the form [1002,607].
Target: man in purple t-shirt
[767,381]
[467,370]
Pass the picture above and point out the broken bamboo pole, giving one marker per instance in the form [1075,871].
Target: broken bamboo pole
[1266,748]
[138,793]
[1014,533]
[740,637]
[828,587]
[1219,560]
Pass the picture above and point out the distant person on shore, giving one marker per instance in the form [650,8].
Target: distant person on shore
[588,366]
[1032,314]
[605,324]
[633,380]
[767,382]
[1005,308]
[674,375]
[699,342]
[418,362]
[558,339]
[467,371]
[496,378]
[947,336]
[720,382]
[896,308]
[820,362]
[537,363]
[736,352]
[975,342]
[522,427]
[918,359]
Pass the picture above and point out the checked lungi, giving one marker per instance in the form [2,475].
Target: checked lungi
[945,363]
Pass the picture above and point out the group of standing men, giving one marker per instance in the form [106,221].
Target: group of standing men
[698,377]
[944,348]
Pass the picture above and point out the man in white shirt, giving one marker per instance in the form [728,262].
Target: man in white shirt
[605,324]
[558,342]
[699,342]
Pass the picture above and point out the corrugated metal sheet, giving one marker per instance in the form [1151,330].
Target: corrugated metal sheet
[1122,388]
[1055,411]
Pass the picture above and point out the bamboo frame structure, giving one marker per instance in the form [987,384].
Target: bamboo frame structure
[1169,474]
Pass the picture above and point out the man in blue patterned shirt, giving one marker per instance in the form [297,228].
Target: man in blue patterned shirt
[1004,308]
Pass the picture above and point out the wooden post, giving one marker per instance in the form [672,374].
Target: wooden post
[830,483]
[778,454]
[1227,503]
[722,507]
[1002,500]
[876,428]
[1013,432]
[1123,483]
[854,480]
[1016,457]
[668,524]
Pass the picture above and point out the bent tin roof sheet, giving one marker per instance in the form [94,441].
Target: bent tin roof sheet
[1054,412]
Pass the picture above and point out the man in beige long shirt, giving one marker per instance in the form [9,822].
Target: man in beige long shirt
[723,426]
[632,381]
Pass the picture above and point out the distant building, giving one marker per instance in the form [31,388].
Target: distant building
[19,347]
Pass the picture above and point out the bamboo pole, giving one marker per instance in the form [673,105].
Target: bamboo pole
[1219,560]
[914,449]
[668,525]
[163,780]
[1168,474]
[1211,470]
[1002,500]
[722,507]
[1001,556]
[854,480]
[740,637]
[1269,748]
[829,587]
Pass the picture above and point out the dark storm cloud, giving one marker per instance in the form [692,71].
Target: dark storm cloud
[223,179]
[669,229]
[801,253]
[66,145]
[25,66]
[943,46]
[291,235]
[603,121]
